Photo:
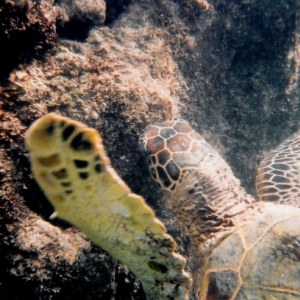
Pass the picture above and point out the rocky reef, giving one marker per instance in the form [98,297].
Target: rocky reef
[230,68]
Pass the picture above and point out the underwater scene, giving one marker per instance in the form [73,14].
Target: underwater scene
[149,149]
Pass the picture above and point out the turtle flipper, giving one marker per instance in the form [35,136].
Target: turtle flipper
[70,164]
[278,174]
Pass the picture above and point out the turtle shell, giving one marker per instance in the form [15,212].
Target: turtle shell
[278,174]
[261,260]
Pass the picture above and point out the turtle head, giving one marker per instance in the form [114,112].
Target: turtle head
[199,185]
[173,149]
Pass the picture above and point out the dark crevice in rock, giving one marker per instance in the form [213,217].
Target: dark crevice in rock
[114,8]
[75,29]
[21,40]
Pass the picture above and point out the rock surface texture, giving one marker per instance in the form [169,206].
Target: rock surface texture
[230,68]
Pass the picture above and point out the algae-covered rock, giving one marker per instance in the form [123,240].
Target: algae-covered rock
[29,28]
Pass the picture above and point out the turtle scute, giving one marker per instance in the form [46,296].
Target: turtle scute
[278,173]
[70,164]
[261,260]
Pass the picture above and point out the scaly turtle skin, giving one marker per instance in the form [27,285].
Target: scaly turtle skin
[70,164]
[244,249]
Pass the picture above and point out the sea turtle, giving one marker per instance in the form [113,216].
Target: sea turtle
[243,249]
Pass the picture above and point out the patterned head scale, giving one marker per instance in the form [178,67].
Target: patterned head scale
[175,150]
